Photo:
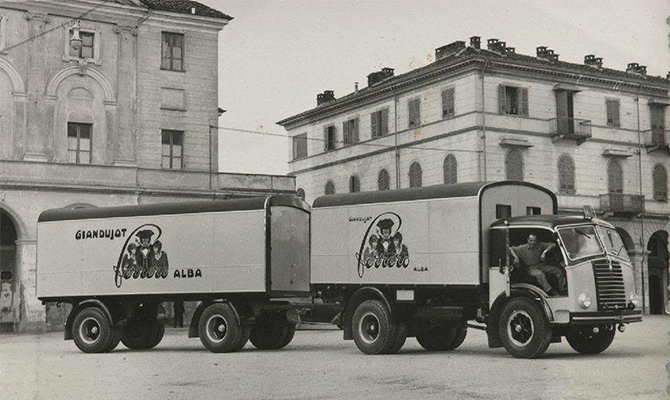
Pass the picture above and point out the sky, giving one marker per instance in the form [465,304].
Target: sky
[275,56]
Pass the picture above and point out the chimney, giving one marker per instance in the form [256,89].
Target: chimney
[451,48]
[541,51]
[668,75]
[593,61]
[511,50]
[497,46]
[632,67]
[376,77]
[325,97]
[355,87]
[635,68]
[476,41]
[546,54]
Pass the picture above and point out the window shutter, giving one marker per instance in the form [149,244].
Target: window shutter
[415,175]
[346,133]
[615,113]
[524,101]
[566,175]
[383,180]
[354,134]
[610,112]
[385,122]
[501,99]
[326,140]
[445,103]
[450,170]
[414,112]
[165,60]
[614,177]
[660,179]
[514,166]
[374,127]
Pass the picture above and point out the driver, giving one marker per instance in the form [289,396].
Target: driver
[533,254]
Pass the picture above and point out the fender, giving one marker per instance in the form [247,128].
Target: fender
[195,320]
[361,295]
[80,306]
[518,289]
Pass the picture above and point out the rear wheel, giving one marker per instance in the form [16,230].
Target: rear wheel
[523,329]
[117,333]
[374,331]
[401,336]
[272,331]
[442,337]
[142,334]
[585,341]
[92,331]
[219,329]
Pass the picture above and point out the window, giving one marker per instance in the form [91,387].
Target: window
[660,177]
[566,175]
[533,211]
[448,103]
[300,146]
[415,175]
[329,138]
[614,177]
[384,180]
[173,52]
[354,184]
[173,144]
[379,122]
[350,132]
[300,193]
[330,187]
[79,143]
[414,111]
[89,51]
[450,169]
[514,165]
[503,211]
[565,113]
[657,124]
[513,100]
[86,48]
[612,112]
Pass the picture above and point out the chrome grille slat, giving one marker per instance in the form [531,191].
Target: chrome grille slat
[610,289]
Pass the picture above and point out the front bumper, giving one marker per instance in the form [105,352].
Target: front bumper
[609,317]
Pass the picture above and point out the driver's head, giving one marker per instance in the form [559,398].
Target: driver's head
[532,241]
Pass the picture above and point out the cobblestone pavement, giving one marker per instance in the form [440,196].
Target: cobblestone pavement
[318,364]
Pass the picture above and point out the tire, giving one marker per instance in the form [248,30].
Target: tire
[159,332]
[218,328]
[401,336]
[272,331]
[118,333]
[442,337]
[244,338]
[92,331]
[374,331]
[586,342]
[523,329]
[140,334]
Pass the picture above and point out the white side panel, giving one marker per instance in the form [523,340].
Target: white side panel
[435,247]
[212,252]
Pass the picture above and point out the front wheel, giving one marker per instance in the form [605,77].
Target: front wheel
[92,331]
[374,331]
[585,341]
[523,329]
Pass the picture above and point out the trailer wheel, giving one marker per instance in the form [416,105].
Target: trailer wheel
[92,332]
[442,337]
[218,328]
[244,338]
[116,339]
[272,331]
[523,329]
[401,336]
[585,341]
[142,334]
[374,331]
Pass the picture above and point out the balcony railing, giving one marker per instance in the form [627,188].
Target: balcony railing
[622,204]
[570,128]
[657,139]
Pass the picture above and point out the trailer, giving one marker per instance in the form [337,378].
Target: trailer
[423,262]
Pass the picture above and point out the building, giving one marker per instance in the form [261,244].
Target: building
[102,104]
[594,135]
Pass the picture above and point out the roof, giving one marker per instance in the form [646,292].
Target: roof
[189,207]
[546,221]
[185,7]
[469,54]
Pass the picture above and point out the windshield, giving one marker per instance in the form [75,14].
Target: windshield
[580,242]
[613,243]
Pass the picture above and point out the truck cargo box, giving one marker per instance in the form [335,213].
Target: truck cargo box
[256,245]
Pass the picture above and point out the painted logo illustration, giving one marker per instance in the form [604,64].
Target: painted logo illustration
[142,256]
[383,247]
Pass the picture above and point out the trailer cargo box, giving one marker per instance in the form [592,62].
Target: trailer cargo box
[257,245]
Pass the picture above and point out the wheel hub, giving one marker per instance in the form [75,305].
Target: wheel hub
[369,328]
[520,328]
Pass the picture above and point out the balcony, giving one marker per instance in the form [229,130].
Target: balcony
[565,128]
[622,204]
[657,139]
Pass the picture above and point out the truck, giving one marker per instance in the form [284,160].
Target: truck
[425,262]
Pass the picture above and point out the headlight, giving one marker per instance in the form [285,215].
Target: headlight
[635,299]
[584,300]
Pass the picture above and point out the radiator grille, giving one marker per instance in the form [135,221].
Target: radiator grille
[610,289]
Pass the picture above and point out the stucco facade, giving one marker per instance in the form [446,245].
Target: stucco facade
[482,132]
[122,100]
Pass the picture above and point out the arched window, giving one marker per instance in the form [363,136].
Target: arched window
[514,165]
[614,177]
[660,177]
[384,180]
[354,184]
[330,187]
[301,193]
[415,175]
[450,169]
[566,175]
